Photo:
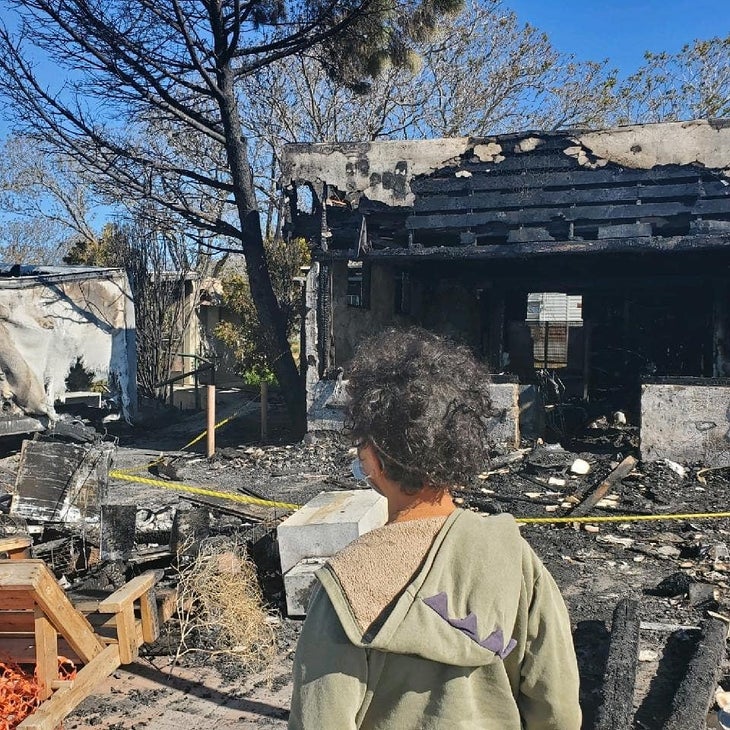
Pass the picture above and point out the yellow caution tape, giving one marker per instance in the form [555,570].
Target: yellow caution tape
[203,434]
[245,499]
[194,441]
[622,518]
[129,476]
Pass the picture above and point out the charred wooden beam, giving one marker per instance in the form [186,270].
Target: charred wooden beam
[118,530]
[621,471]
[531,216]
[694,695]
[570,178]
[249,513]
[636,245]
[640,244]
[324,319]
[619,679]
[538,197]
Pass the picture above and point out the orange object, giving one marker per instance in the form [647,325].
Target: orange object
[20,691]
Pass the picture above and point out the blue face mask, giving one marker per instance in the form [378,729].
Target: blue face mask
[359,473]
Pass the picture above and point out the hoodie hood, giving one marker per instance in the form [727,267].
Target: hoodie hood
[447,591]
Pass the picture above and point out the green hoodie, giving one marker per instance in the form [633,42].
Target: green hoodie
[437,624]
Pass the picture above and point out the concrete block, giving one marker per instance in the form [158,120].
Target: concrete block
[532,413]
[686,423]
[299,585]
[505,401]
[327,412]
[328,523]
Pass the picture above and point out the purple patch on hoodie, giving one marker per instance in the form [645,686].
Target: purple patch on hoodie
[468,626]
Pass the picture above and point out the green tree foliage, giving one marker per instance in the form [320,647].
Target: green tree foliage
[103,250]
[243,333]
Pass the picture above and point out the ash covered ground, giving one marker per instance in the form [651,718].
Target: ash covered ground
[676,569]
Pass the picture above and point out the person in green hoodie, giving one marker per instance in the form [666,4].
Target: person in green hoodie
[443,618]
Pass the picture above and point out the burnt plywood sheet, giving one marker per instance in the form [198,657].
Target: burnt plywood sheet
[60,481]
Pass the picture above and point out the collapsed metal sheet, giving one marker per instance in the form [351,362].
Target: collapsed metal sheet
[62,482]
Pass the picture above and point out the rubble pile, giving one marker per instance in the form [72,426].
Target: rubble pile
[609,527]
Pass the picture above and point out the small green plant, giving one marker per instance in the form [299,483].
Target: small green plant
[245,337]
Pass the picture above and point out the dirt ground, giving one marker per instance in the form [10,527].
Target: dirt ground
[595,567]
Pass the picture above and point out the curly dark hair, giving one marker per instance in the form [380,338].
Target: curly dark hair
[423,402]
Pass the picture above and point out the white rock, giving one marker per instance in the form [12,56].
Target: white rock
[648,655]
[676,468]
[580,466]
[613,540]
[668,551]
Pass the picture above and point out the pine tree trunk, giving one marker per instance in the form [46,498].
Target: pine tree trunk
[276,342]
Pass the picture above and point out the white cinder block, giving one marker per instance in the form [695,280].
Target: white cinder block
[299,585]
[686,422]
[328,523]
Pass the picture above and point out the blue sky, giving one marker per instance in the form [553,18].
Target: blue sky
[621,30]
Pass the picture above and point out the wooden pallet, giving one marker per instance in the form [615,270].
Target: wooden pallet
[38,623]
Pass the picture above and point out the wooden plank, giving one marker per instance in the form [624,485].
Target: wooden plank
[62,684]
[536,197]
[71,624]
[621,471]
[16,547]
[127,635]
[17,622]
[609,213]
[482,179]
[86,605]
[619,679]
[50,714]
[46,651]
[16,600]
[130,591]
[149,615]
[694,695]
[20,574]
[21,648]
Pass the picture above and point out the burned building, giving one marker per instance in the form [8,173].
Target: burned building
[591,266]
[66,334]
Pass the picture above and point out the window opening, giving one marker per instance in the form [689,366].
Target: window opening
[358,284]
